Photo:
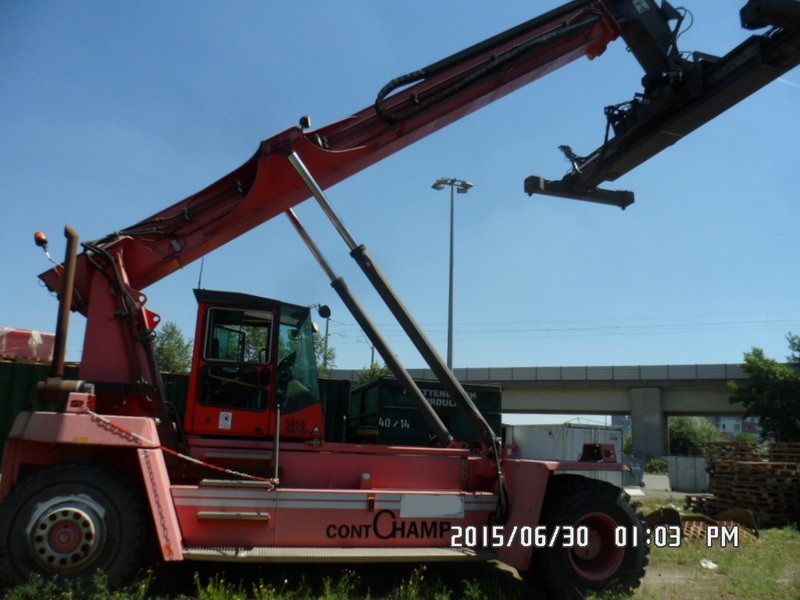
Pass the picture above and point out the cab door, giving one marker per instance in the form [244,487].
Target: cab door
[233,375]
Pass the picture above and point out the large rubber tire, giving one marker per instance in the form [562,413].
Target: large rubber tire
[72,520]
[574,573]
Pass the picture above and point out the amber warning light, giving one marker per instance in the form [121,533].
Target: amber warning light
[40,237]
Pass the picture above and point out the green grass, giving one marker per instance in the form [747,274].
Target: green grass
[418,585]
[766,569]
[39,588]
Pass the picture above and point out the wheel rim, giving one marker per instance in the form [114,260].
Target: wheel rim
[66,533]
[601,558]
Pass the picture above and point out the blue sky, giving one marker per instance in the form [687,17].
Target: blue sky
[110,112]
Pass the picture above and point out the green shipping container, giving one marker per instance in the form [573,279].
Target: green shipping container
[334,394]
[380,411]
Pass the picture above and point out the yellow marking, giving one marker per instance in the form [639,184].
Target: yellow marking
[81,440]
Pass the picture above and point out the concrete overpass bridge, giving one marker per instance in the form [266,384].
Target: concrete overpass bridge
[649,394]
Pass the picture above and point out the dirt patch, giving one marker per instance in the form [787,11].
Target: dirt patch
[679,582]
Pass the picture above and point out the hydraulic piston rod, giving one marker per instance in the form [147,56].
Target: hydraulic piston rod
[432,420]
[388,295]
[490,442]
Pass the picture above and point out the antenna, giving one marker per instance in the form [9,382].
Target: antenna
[200,277]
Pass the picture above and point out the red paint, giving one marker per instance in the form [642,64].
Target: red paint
[65,536]
[165,520]
[602,557]
[527,482]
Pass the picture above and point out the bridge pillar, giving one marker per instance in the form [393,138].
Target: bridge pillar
[648,424]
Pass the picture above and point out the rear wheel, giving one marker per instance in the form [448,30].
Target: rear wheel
[601,565]
[71,520]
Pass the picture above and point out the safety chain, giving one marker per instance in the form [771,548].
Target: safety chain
[135,437]
[162,521]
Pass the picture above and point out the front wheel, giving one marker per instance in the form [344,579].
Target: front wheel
[600,565]
[71,520]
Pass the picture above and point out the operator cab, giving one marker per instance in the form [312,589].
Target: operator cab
[253,360]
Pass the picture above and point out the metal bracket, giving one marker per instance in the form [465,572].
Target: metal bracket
[561,189]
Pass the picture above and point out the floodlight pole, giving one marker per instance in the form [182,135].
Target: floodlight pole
[463,187]
[450,295]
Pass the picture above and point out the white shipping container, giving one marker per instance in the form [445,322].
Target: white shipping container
[688,473]
[565,441]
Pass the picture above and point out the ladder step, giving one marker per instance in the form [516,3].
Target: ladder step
[238,455]
[341,555]
[217,515]
[235,483]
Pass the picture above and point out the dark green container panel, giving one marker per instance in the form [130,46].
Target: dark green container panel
[381,404]
[18,390]
[176,387]
[334,394]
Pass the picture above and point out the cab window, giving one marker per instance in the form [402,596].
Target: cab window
[240,336]
[297,365]
[237,355]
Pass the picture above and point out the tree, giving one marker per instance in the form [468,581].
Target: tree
[773,392]
[173,352]
[744,437]
[326,360]
[689,435]
[373,371]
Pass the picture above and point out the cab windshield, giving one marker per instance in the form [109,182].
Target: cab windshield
[296,353]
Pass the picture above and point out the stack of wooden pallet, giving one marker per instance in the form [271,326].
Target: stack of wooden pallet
[728,451]
[741,475]
[785,452]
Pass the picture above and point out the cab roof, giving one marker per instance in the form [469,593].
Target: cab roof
[249,301]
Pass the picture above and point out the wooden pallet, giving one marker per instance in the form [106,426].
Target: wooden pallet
[742,475]
[787,451]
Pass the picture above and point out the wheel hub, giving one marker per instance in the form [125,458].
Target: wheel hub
[601,558]
[592,550]
[66,533]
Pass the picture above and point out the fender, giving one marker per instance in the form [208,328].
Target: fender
[40,439]
[527,481]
